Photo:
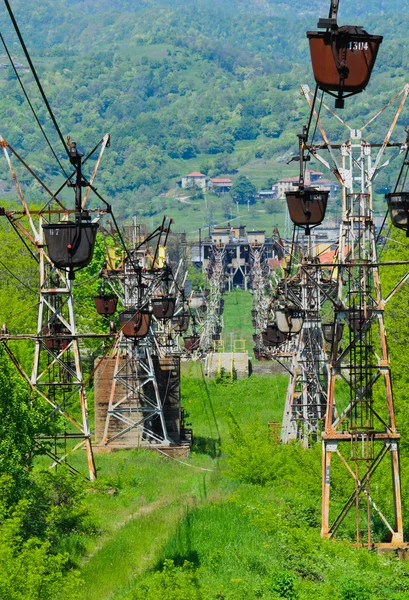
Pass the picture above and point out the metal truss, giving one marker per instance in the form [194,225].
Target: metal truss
[56,376]
[213,321]
[360,430]
[306,398]
[136,401]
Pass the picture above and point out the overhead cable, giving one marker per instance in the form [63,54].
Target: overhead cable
[34,72]
[31,106]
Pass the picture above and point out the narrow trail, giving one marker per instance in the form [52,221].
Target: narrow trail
[144,510]
[133,545]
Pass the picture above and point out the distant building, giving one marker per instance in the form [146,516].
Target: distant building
[194,179]
[286,184]
[266,194]
[256,238]
[218,184]
[312,178]
[238,246]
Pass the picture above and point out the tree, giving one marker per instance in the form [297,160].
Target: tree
[247,130]
[272,206]
[18,424]
[29,569]
[243,190]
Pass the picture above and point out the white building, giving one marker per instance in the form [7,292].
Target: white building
[194,179]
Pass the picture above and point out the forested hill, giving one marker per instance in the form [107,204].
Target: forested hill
[181,86]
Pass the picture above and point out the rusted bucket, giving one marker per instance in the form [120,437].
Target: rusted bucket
[274,335]
[307,207]
[398,205]
[342,60]
[289,320]
[357,319]
[135,323]
[106,304]
[328,331]
[163,307]
[57,343]
[181,322]
[70,245]
[191,343]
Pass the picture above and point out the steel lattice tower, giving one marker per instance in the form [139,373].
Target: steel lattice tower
[360,430]
[136,401]
[306,398]
[213,321]
[57,375]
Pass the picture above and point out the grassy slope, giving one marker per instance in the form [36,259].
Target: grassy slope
[245,541]
[154,494]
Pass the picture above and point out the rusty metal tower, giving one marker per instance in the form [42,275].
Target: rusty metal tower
[261,300]
[306,398]
[213,321]
[142,372]
[57,375]
[360,429]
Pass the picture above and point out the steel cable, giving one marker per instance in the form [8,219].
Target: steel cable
[31,106]
[34,72]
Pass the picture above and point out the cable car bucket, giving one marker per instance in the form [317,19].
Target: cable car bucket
[342,57]
[306,205]
[71,244]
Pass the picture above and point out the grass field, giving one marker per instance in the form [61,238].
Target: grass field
[241,540]
[237,319]
[141,498]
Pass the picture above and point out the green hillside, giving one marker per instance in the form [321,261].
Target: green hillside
[206,86]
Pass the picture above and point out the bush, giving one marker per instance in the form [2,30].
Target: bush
[172,583]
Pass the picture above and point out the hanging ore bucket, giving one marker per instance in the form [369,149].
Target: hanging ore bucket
[215,336]
[191,343]
[289,319]
[328,331]
[135,323]
[259,356]
[70,245]
[306,207]
[274,335]
[203,307]
[56,343]
[163,307]
[343,59]
[398,205]
[181,322]
[356,318]
[106,304]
